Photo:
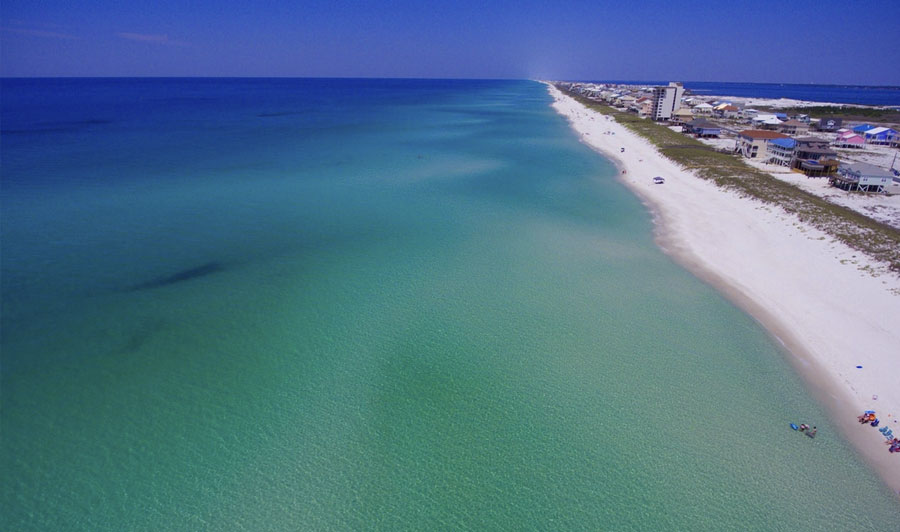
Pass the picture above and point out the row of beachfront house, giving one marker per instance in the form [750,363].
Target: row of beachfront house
[799,124]
[771,137]
[861,135]
[876,135]
[666,103]
[845,138]
[654,102]
[813,157]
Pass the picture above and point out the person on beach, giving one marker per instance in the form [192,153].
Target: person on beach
[803,427]
[812,433]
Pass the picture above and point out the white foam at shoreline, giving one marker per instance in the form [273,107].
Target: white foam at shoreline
[831,306]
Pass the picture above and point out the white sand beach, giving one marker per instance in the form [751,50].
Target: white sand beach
[832,307]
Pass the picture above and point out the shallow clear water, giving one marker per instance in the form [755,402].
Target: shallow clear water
[346,304]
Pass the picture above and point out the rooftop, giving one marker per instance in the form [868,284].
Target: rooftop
[758,134]
[701,123]
[817,151]
[869,170]
[784,143]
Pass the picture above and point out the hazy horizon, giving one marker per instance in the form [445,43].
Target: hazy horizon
[466,40]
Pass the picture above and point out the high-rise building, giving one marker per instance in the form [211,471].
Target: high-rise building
[666,100]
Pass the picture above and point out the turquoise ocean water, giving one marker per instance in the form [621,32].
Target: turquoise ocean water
[371,304]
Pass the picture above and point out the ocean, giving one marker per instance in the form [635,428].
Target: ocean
[853,94]
[371,304]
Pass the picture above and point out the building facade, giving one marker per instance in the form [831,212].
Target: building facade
[751,143]
[862,176]
[814,157]
[880,135]
[666,100]
[780,151]
[793,127]
[702,128]
[829,124]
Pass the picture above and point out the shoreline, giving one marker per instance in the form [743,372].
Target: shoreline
[826,304]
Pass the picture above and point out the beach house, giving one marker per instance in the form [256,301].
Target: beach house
[625,101]
[682,116]
[812,142]
[729,111]
[644,106]
[849,139]
[814,157]
[794,127]
[703,109]
[829,124]
[766,121]
[879,135]
[780,151]
[751,143]
[862,176]
[862,128]
[702,128]
[719,110]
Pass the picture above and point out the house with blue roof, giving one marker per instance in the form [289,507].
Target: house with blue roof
[880,135]
[780,151]
[862,128]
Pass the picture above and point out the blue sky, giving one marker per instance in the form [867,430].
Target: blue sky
[801,41]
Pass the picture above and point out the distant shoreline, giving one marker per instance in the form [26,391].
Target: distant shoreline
[812,94]
[782,272]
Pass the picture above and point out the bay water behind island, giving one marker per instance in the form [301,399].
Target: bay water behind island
[356,304]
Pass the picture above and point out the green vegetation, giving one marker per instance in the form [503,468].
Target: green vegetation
[861,233]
